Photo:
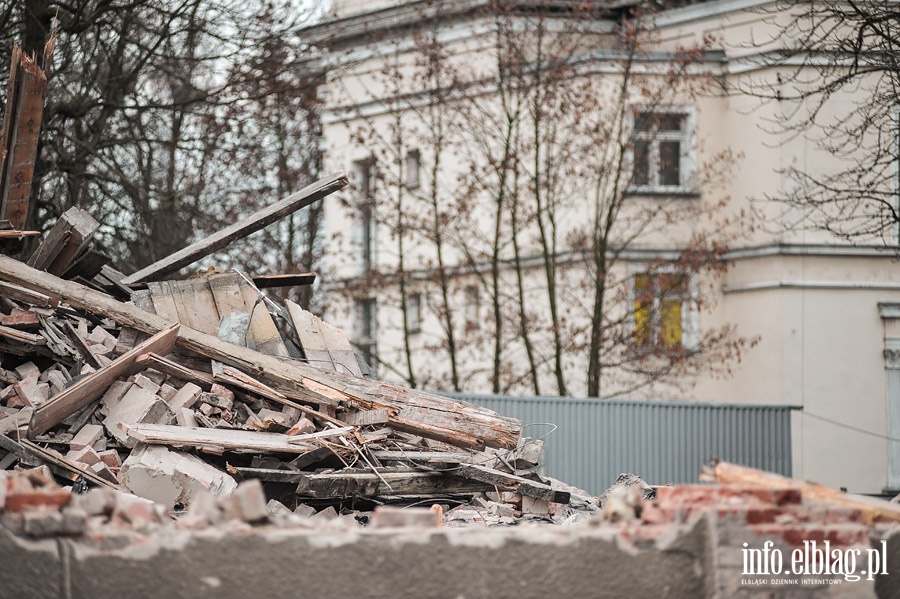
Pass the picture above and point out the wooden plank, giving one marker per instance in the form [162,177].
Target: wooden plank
[367,417]
[240,229]
[173,369]
[28,296]
[90,388]
[292,280]
[22,336]
[348,483]
[20,134]
[263,333]
[306,325]
[325,346]
[227,439]
[434,457]
[511,482]
[89,356]
[69,236]
[452,421]
[226,292]
[16,234]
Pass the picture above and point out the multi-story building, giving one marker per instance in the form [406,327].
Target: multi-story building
[416,267]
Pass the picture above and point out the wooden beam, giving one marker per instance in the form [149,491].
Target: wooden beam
[90,388]
[240,229]
[27,295]
[66,240]
[293,280]
[440,418]
[19,136]
[224,439]
[512,482]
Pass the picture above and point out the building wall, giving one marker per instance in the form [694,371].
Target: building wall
[809,301]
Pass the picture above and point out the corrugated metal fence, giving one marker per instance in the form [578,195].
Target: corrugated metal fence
[661,441]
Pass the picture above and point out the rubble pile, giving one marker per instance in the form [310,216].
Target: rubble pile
[176,391]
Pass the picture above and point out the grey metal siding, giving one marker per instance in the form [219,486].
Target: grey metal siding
[661,441]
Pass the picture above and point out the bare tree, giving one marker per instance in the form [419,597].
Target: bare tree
[567,163]
[833,69]
[146,103]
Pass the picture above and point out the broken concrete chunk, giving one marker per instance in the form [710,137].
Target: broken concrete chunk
[247,502]
[101,336]
[85,455]
[185,417]
[185,397]
[86,437]
[28,371]
[30,393]
[303,426]
[172,477]
[137,406]
[144,382]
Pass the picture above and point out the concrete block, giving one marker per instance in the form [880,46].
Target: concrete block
[272,416]
[28,370]
[144,382]
[101,336]
[386,516]
[137,406]
[86,437]
[167,392]
[31,393]
[185,397]
[172,477]
[248,501]
[85,455]
[111,458]
[225,396]
[302,427]
[32,569]
[539,507]
[103,471]
[185,417]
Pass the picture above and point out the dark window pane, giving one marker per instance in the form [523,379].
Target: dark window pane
[644,121]
[669,158]
[641,175]
[669,122]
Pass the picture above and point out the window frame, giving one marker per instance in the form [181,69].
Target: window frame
[414,313]
[413,167]
[687,155]
[366,223]
[366,329]
[689,312]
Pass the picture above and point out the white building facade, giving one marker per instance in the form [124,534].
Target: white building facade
[801,317]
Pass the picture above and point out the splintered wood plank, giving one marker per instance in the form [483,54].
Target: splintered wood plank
[20,133]
[459,423]
[512,482]
[226,292]
[69,237]
[325,346]
[240,229]
[262,333]
[310,336]
[226,439]
[26,295]
[90,388]
[386,483]
[188,302]
[22,336]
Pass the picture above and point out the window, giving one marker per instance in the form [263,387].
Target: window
[414,313]
[661,307]
[365,225]
[660,151]
[366,331]
[472,308]
[413,163]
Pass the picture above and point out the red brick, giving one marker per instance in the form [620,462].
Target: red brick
[21,319]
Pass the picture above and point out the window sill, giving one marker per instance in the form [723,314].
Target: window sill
[657,192]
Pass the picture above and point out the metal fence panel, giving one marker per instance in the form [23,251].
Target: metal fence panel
[660,441]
